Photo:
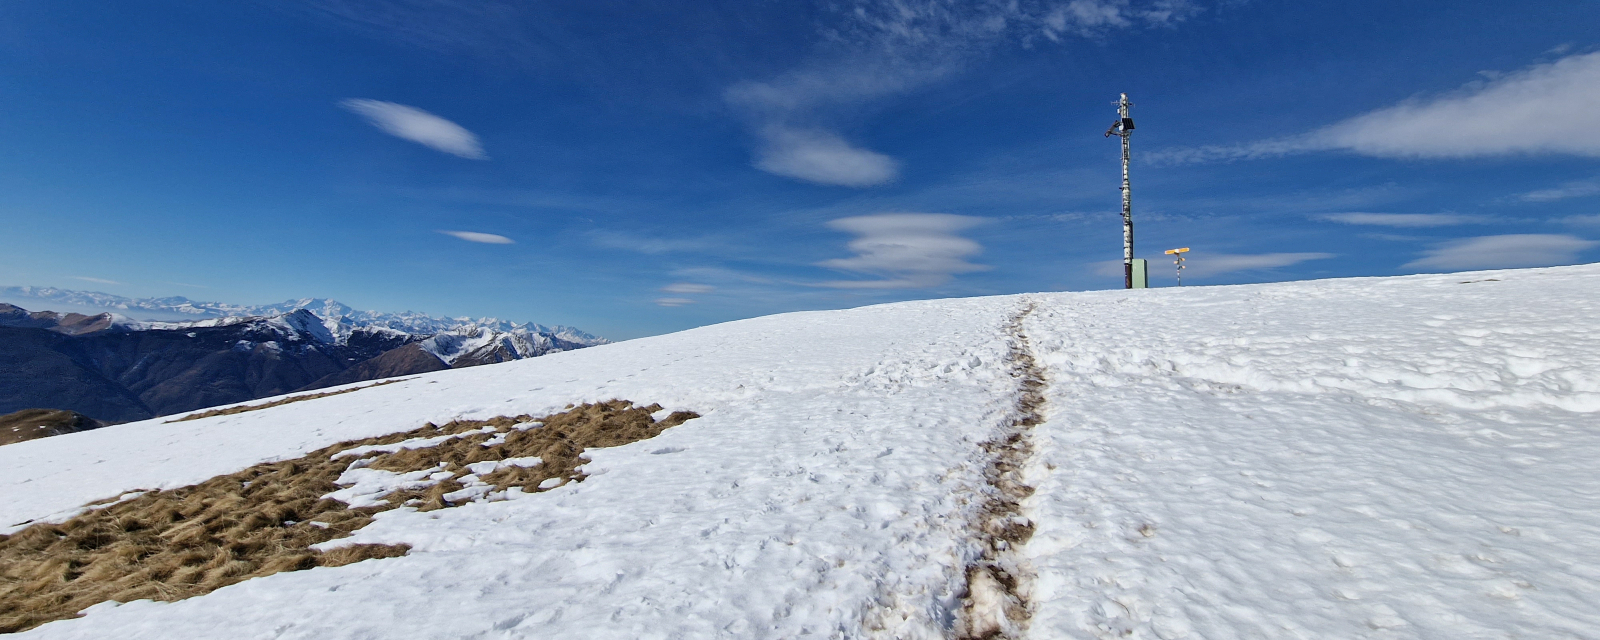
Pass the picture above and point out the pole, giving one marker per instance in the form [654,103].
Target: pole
[1177,261]
[1123,128]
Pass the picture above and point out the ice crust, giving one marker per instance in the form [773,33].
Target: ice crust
[1363,458]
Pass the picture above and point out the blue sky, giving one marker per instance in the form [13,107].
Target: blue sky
[634,168]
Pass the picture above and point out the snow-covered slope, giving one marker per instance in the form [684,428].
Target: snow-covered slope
[1366,458]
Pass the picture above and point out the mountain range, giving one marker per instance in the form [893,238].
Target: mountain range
[113,368]
[333,313]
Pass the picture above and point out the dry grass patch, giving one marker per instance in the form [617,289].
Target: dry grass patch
[278,403]
[32,424]
[175,544]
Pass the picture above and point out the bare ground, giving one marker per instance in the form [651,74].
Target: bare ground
[996,603]
[180,543]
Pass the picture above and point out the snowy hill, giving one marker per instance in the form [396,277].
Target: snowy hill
[1407,457]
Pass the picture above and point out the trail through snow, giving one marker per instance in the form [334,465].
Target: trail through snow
[1364,458]
[999,582]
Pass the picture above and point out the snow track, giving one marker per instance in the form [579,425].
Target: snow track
[998,583]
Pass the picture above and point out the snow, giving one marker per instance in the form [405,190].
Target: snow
[365,487]
[1409,456]
[1362,458]
[409,443]
[453,345]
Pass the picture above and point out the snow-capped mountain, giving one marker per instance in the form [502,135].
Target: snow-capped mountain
[116,369]
[1408,457]
[339,318]
[466,341]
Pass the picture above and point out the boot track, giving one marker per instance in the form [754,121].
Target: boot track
[996,604]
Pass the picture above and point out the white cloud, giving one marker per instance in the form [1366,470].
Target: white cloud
[688,287]
[1406,220]
[99,280]
[474,236]
[822,157]
[873,49]
[1575,189]
[906,250]
[1543,109]
[1503,252]
[1591,220]
[673,302]
[421,127]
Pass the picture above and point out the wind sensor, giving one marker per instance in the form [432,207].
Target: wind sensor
[1123,128]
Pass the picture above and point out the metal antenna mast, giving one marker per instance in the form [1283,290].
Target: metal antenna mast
[1123,128]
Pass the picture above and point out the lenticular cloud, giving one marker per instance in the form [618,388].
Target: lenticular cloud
[475,236]
[421,127]
[906,250]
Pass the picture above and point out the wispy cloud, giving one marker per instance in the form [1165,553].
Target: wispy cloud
[1590,220]
[1200,264]
[646,245]
[1204,264]
[688,287]
[673,302]
[474,236]
[1406,220]
[721,274]
[1543,109]
[98,280]
[1503,252]
[416,125]
[906,250]
[880,48]
[822,157]
[1574,189]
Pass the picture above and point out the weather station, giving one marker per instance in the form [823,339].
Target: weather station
[1135,273]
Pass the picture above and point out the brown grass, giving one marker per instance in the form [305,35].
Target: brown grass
[32,424]
[176,544]
[278,403]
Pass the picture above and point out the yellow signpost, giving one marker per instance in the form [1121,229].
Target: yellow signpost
[1177,259]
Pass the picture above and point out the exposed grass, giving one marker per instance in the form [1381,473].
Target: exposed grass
[175,544]
[32,424]
[278,403]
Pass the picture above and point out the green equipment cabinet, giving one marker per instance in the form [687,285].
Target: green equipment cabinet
[1141,273]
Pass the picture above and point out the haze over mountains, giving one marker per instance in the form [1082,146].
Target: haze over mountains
[114,368]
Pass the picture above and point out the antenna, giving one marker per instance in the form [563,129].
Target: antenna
[1123,128]
[1177,259]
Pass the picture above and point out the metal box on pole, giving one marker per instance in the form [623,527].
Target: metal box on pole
[1141,274]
